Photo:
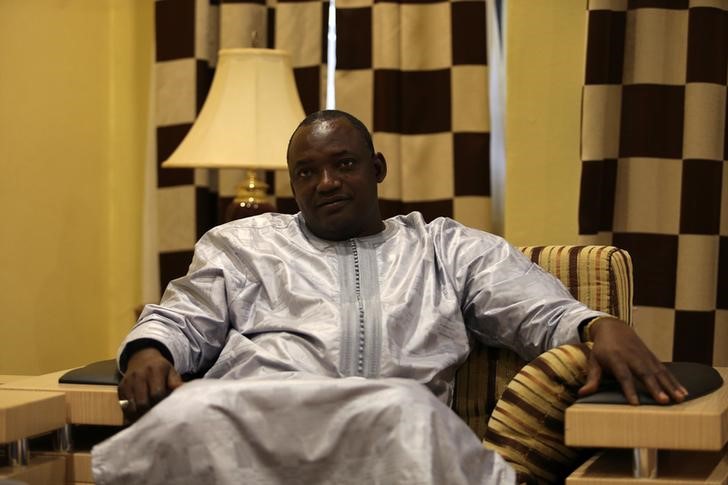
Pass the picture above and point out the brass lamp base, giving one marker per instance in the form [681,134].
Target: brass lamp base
[251,199]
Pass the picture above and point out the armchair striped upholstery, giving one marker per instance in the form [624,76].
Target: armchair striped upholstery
[598,276]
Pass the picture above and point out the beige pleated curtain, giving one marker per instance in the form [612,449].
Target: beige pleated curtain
[654,178]
[415,72]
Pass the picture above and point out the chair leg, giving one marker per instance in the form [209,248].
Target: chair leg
[63,439]
[19,453]
[644,462]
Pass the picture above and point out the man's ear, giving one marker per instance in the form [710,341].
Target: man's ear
[380,167]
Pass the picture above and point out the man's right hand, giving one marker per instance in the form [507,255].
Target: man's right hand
[148,379]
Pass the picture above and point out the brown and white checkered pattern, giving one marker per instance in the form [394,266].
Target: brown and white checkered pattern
[655,174]
[414,71]
[188,34]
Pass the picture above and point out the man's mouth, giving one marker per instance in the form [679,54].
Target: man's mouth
[332,202]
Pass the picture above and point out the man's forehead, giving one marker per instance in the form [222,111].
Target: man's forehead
[324,127]
[335,133]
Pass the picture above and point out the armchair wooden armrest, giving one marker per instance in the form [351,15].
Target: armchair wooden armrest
[684,443]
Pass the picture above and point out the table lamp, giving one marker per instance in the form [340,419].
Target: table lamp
[249,114]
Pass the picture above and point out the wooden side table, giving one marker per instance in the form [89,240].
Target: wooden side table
[24,414]
[85,404]
[79,406]
[680,444]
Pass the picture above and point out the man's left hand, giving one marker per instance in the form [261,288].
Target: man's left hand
[619,351]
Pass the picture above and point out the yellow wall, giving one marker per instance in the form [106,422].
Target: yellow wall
[544,77]
[73,107]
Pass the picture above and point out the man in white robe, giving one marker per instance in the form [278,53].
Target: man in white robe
[333,338]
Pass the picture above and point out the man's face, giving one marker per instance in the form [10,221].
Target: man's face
[334,178]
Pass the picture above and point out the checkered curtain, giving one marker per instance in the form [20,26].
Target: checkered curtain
[189,34]
[654,177]
[415,73]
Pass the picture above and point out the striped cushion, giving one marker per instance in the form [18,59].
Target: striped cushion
[599,276]
[527,424]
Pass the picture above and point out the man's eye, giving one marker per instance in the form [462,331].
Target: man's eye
[346,163]
[303,172]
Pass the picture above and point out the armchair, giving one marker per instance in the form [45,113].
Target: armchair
[599,276]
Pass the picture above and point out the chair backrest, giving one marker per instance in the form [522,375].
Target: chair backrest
[598,276]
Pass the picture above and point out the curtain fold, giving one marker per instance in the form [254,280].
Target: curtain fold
[654,177]
[414,72]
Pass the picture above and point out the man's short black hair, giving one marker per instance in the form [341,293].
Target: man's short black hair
[333,114]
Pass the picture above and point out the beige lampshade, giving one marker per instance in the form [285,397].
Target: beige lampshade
[250,112]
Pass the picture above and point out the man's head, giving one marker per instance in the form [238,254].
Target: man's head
[334,175]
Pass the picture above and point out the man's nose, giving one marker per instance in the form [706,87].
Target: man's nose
[328,181]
